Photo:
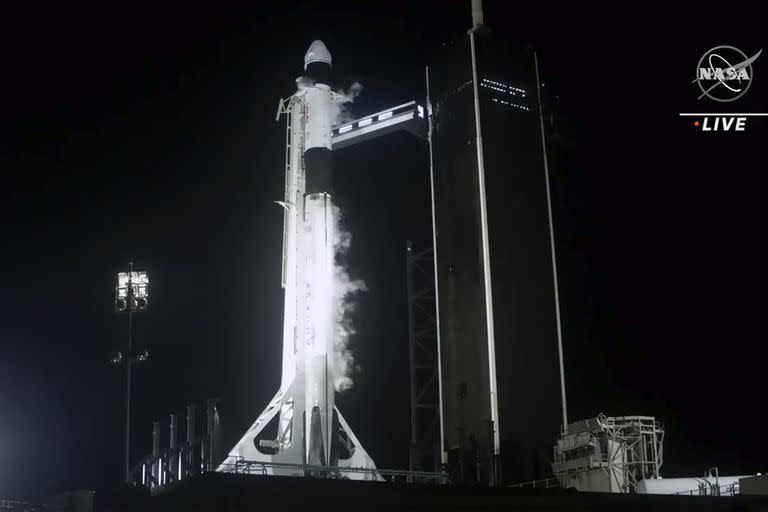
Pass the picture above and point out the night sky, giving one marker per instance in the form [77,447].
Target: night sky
[147,131]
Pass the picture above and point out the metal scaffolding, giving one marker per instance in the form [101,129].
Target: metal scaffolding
[422,342]
[609,454]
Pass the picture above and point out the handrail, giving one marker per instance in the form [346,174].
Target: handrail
[249,467]
[547,482]
[703,490]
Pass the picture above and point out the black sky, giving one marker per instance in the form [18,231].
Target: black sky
[147,131]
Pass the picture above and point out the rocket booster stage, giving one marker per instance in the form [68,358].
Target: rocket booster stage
[301,425]
[316,255]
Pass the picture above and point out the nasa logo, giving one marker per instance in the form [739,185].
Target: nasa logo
[719,79]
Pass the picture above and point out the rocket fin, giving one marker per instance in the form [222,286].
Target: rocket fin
[282,446]
[245,448]
[359,458]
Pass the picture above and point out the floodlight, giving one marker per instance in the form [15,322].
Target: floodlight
[132,291]
[140,304]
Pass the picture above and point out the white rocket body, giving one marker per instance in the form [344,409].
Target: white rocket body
[306,431]
[318,116]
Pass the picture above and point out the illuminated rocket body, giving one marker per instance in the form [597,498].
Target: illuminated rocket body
[309,429]
[315,254]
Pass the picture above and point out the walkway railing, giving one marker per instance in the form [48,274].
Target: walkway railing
[539,484]
[389,475]
[711,490]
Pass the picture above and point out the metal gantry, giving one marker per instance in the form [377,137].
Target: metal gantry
[422,343]
[609,454]
[643,441]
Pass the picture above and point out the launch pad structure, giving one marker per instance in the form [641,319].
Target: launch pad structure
[301,430]
[479,93]
[472,408]
[609,454]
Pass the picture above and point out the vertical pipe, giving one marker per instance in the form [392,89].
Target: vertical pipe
[174,430]
[155,469]
[486,254]
[443,455]
[174,438]
[413,463]
[128,361]
[155,438]
[209,436]
[655,451]
[552,249]
[460,432]
[191,439]
[293,205]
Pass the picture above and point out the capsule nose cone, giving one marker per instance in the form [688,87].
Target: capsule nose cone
[317,53]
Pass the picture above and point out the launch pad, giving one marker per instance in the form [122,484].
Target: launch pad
[238,492]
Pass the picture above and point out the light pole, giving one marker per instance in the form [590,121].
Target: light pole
[131,296]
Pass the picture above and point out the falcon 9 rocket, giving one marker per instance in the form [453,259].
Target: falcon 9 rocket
[301,425]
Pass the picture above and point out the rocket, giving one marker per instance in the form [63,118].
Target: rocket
[316,256]
[301,425]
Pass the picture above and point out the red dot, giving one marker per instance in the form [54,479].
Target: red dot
[695,123]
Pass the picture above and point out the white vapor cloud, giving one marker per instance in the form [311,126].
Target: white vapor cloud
[346,291]
[341,113]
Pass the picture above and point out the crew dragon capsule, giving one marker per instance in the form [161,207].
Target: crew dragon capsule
[301,424]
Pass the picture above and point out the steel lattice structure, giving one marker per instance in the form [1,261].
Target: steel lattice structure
[609,454]
[422,344]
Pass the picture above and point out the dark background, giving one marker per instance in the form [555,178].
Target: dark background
[147,131]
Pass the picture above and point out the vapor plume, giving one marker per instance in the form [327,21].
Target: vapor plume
[341,112]
[346,293]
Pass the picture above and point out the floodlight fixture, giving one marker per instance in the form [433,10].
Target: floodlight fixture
[132,291]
